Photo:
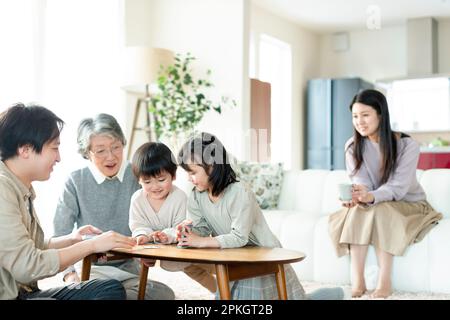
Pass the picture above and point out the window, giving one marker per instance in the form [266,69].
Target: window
[420,104]
[63,55]
[275,67]
[17,52]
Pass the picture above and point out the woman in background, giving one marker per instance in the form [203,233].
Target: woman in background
[388,207]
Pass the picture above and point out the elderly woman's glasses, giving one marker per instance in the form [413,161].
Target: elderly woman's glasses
[102,153]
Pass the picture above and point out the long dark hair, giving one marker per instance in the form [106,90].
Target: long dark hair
[387,139]
[208,152]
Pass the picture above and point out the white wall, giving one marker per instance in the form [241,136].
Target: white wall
[305,50]
[215,32]
[373,54]
[444,46]
[378,54]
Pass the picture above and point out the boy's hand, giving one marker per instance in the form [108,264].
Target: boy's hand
[163,238]
[72,277]
[141,239]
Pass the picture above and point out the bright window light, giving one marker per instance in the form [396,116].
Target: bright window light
[420,104]
[275,67]
[63,55]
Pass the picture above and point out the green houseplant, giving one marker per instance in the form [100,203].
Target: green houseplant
[181,99]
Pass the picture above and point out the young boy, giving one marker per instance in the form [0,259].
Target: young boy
[159,206]
[29,149]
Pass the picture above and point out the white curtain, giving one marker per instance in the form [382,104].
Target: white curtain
[64,55]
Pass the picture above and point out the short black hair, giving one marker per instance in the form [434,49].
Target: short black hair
[208,152]
[151,159]
[31,125]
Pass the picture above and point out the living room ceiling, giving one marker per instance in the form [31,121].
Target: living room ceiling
[340,15]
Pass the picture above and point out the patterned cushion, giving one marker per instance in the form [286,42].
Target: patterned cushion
[265,179]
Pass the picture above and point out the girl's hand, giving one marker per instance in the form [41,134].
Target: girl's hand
[141,239]
[180,227]
[361,195]
[78,234]
[192,240]
[110,240]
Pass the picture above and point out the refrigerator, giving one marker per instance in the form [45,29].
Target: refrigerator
[329,120]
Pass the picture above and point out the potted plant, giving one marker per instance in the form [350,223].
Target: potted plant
[181,101]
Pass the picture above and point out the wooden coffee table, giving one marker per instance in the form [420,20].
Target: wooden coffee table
[231,264]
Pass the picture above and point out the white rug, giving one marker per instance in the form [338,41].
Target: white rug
[187,289]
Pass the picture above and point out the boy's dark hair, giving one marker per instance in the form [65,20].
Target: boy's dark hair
[151,159]
[208,152]
[31,125]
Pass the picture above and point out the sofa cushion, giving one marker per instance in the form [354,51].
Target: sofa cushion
[439,257]
[330,197]
[275,219]
[436,184]
[287,196]
[308,193]
[296,232]
[265,179]
[408,278]
[328,268]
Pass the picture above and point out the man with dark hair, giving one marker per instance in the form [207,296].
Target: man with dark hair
[29,148]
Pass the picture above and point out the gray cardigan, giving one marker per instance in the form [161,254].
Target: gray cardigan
[104,205]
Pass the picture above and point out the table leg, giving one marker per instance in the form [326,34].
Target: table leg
[86,268]
[223,281]
[281,283]
[142,281]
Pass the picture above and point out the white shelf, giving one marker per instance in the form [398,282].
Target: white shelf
[435,149]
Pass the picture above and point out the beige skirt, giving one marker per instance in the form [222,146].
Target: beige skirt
[390,226]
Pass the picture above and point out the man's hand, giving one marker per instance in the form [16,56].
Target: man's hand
[71,277]
[110,240]
[77,235]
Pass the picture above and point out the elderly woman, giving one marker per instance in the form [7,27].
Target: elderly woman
[99,195]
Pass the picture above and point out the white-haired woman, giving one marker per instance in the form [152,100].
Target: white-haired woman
[99,195]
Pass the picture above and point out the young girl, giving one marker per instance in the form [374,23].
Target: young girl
[159,206]
[225,214]
[388,207]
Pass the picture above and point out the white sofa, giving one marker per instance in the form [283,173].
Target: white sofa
[309,196]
